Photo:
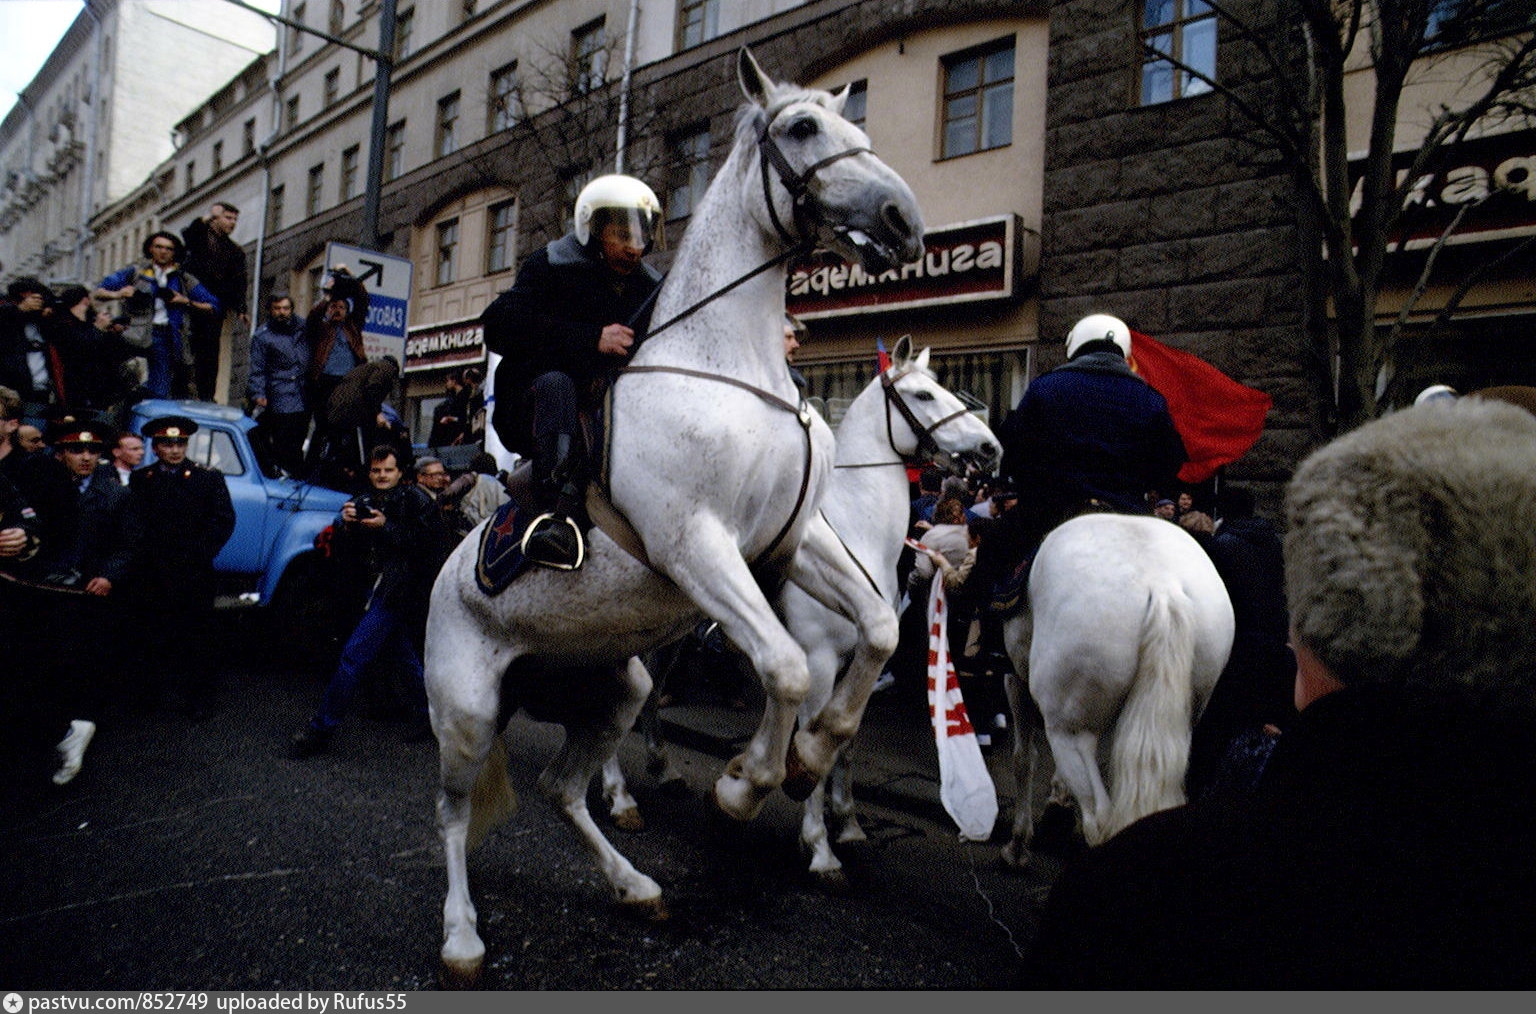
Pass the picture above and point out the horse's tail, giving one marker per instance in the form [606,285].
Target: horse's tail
[492,800]
[1150,752]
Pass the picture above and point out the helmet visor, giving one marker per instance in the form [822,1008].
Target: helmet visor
[627,228]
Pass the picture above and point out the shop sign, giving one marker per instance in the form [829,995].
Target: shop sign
[1493,178]
[443,345]
[968,262]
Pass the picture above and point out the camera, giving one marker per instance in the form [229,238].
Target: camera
[363,507]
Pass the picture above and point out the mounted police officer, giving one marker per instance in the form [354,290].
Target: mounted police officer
[1089,435]
[564,329]
[187,516]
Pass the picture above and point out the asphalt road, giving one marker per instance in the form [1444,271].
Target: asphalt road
[200,856]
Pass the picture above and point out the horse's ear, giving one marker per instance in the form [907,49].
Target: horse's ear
[840,99]
[922,359]
[754,83]
[903,350]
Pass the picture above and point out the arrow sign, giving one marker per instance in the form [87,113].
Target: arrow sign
[375,270]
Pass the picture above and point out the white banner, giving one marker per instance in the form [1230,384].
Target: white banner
[965,785]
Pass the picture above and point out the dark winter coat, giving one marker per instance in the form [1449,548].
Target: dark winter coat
[403,555]
[1387,845]
[109,534]
[45,484]
[15,371]
[554,314]
[186,516]
[1091,429]
[220,262]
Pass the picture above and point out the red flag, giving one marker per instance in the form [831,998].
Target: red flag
[1218,418]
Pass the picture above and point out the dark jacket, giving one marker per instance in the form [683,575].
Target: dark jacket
[15,512]
[220,262]
[15,371]
[44,483]
[320,334]
[1091,429]
[186,516]
[108,539]
[280,359]
[554,314]
[93,363]
[402,555]
[1387,845]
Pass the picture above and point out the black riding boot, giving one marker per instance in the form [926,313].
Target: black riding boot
[554,539]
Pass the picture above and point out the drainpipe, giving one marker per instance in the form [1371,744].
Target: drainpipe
[264,152]
[629,64]
[88,196]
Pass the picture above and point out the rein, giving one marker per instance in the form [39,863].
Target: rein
[926,445]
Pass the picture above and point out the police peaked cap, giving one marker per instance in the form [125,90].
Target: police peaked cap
[169,427]
[79,431]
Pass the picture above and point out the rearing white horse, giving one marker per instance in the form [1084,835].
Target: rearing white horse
[720,469]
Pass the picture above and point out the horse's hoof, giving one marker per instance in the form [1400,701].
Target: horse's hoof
[798,782]
[629,820]
[833,882]
[458,974]
[852,834]
[1015,856]
[647,909]
[735,798]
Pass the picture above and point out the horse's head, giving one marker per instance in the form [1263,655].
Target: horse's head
[927,421]
[821,182]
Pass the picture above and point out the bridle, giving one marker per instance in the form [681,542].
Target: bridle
[927,447]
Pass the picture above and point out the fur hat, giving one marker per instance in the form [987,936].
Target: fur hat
[1411,551]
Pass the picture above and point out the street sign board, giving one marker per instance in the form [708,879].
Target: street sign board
[388,281]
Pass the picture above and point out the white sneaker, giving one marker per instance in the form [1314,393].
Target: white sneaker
[72,750]
[1000,722]
[883,682]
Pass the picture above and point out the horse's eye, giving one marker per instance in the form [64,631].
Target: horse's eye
[803,129]
[924,396]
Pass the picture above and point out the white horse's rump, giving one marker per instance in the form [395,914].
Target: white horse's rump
[1131,626]
[720,476]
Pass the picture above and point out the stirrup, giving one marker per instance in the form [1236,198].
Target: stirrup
[555,519]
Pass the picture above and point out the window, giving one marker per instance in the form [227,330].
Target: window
[218,158]
[978,99]
[1176,30]
[332,86]
[316,185]
[275,209]
[503,108]
[349,173]
[394,150]
[447,247]
[698,21]
[403,25]
[215,449]
[690,169]
[248,138]
[857,105]
[503,230]
[295,36]
[338,18]
[191,179]
[589,58]
[447,121]
[291,113]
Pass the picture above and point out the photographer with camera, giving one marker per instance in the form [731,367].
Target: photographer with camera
[390,528]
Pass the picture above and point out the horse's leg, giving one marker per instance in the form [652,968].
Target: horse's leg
[727,592]
[590,740]
[621,805]
[661,664]
[825,570]
[1077,765]
[839,784]
[825,866]
[1025,744]
[463,670]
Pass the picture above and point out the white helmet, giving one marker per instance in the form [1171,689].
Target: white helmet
[1436,392]
[623,194]
[1098,327]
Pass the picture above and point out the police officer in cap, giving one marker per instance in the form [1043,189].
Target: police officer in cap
[564,330]
[186,517]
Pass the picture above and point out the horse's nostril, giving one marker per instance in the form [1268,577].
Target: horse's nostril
[896,220]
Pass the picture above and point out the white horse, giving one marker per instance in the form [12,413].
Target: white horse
[904,414]
[1131,626]
[719,467]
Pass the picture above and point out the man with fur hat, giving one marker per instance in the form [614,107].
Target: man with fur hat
[1388,840]
[186,517]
